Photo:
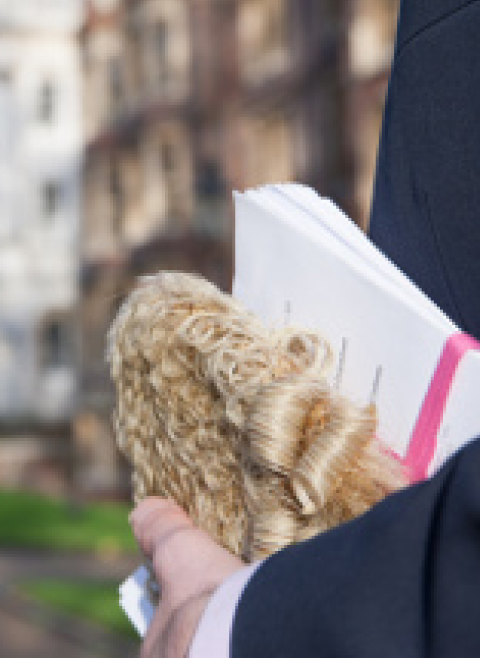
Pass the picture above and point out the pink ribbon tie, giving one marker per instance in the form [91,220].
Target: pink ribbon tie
[423,442]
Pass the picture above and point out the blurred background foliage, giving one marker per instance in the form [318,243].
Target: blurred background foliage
[95,601]
[33,521]
[125,126]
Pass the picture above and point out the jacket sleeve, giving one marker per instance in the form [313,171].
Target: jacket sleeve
[212,638]
[402,581]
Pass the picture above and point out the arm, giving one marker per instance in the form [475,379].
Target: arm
[402,580]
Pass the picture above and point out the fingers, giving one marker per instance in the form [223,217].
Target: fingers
[188,566]
[185,559]
[155,522]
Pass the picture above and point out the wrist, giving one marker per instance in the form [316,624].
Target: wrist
[182,625]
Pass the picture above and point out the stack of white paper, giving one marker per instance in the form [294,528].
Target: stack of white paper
[300,260]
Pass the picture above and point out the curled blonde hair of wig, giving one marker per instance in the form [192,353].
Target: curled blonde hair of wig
[236,422]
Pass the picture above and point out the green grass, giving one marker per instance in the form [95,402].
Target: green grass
[31,521]
[97,602]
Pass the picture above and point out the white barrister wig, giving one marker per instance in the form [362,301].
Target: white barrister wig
[236,422]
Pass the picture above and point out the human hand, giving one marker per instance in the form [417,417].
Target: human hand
[188,566]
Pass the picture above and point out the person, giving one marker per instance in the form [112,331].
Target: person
[402,580]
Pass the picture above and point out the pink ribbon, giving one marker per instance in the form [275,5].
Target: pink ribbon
[423,442]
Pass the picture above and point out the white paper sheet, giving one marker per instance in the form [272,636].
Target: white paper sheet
[293,264]
[135,601]
[331,217]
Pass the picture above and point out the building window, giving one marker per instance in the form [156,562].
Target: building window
[167,158]
[161,49]
[46,102]
[263,36]
[51,199]
[8,114]
[5,76]
[116,83]
[274,28]
[117,199]
[211,192]
[57,344]
[135,36]
[174,179]
[372,36]
[210,182]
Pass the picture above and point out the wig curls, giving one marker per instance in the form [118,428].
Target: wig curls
[236,421]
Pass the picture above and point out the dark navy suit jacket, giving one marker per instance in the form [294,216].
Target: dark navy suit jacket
[426,206]
[403,581]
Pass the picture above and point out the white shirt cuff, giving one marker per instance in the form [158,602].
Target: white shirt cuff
[212,638]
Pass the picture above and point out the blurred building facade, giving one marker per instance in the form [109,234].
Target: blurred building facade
[289,113]
[370,45]
[40,191]
[126,125]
